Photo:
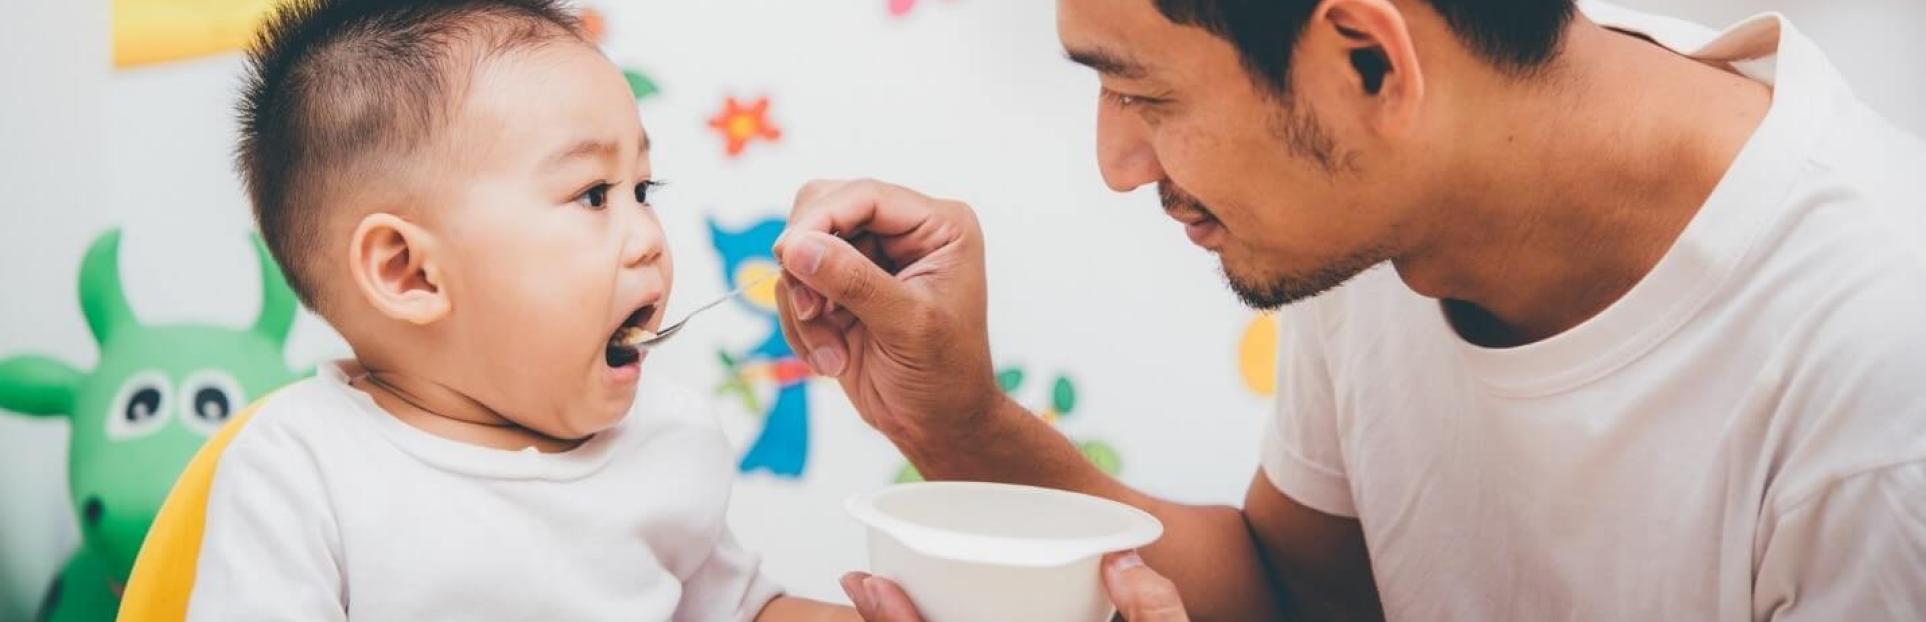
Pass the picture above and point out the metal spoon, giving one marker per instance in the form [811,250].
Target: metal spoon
[642,340]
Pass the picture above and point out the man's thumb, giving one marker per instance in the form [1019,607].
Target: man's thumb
[1140,594]
[833,268]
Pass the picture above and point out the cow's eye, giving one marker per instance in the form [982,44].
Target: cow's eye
[140,406]
[208,398]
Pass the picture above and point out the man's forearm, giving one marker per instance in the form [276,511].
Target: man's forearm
[1208,551]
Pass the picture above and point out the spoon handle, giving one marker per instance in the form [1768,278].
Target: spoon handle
[738,291]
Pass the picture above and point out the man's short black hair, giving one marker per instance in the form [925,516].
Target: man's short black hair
[332,84]
[1518,36]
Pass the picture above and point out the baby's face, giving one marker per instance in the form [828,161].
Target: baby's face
[547,244]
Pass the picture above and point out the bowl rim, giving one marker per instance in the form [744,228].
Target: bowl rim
[1142,529]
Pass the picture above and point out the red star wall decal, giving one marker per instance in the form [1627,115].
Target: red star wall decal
[741,124]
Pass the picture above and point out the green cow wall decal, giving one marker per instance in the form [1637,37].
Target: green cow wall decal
[156,394]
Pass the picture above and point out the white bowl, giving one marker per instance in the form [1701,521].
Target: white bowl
[968,551]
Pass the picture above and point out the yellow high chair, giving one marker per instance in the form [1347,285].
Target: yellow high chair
[163,574]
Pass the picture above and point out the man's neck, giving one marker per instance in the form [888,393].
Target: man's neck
[1573,186]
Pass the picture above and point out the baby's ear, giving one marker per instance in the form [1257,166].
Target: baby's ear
[395,269]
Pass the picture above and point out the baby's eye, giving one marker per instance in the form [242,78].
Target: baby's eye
[596,197]
[642,190]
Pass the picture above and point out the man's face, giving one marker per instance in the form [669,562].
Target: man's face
[1279,194]
[547,243]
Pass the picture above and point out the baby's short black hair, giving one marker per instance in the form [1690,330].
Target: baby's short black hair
[338,89]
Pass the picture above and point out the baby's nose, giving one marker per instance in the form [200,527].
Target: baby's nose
[644,243]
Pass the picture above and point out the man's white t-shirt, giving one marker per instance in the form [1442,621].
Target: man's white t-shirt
[1741,437]
[325,507]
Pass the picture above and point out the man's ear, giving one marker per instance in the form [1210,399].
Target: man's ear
[394,268]
[1372,42]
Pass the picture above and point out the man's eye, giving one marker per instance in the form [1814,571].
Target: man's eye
[596,197]
[642,190]
[1127,102]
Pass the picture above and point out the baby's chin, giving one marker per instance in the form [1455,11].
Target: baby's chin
[584,420]
[608,415]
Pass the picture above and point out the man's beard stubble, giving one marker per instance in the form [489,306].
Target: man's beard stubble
[1306,137]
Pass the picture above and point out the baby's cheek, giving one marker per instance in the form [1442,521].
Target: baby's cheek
[668,274]
[539,332]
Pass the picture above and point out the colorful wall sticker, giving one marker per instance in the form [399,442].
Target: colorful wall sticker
[158,31]
[741,124]
[1257,354]
[782,446]
[595,26]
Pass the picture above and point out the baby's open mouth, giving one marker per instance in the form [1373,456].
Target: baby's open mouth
[621,349]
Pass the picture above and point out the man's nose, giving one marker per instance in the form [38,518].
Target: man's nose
[1125,154]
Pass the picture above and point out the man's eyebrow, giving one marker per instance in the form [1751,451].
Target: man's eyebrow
[1108,63]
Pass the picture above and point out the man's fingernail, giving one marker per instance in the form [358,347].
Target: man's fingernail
[799,299]
[853,584]
[874,589]
[829,362]
[809,256]
[817,304]
[1127,561]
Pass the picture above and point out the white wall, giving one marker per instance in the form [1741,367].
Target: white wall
[53,65]
[968,99]
[84,148]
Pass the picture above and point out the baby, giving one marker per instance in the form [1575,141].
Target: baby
[461,188]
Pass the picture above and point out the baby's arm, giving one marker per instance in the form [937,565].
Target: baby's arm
[729,587]
[267,553]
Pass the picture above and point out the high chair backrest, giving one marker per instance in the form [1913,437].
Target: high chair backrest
[163,575]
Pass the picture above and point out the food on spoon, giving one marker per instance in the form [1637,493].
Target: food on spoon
[632,336]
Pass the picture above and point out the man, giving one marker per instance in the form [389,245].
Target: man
[1598,315]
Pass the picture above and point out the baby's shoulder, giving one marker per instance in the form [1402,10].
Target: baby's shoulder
[308,415]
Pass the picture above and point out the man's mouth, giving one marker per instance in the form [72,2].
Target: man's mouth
[1203,231]
[621,350]
[1199,223]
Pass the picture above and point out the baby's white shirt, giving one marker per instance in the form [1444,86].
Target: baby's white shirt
[325,507]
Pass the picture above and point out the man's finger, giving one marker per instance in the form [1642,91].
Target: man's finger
[786,318]
[815,189]
[863,205]
[818,342]
[878,600]
[808,199]
[842,275]
[1140,594]
[828,352]
[859,596]
[840,318]
[805,302]
[890,602]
